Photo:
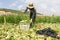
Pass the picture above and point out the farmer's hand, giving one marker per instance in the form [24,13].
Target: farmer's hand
[23,11]
[31,21]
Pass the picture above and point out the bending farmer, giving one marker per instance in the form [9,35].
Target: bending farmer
[32,12]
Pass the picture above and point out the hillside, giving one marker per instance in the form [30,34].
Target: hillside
[16,11]
[9,10]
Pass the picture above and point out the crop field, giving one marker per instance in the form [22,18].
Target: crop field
[13,32]
[11,29]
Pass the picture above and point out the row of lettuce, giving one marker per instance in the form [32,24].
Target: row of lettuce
[18,18]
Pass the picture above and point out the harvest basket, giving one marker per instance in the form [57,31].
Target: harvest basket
[24,25]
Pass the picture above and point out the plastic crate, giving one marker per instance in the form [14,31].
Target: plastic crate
[24,26]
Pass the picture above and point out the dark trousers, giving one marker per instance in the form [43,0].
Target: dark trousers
[33,17]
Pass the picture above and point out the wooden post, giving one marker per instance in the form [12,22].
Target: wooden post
[4,18]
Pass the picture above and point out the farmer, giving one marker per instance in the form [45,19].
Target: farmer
[32,13]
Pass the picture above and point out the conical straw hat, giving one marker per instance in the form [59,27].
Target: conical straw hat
[30,5]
